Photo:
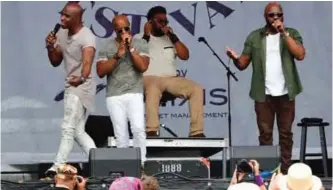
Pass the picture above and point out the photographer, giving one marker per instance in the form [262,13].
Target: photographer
[239,175]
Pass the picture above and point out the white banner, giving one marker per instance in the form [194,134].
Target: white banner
[31,116]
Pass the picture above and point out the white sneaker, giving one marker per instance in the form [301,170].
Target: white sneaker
[51,172]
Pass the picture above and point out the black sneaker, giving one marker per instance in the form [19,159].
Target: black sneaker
[152,134]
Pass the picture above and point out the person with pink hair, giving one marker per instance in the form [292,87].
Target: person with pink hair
[133,183]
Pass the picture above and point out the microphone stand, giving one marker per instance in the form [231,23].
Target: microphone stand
[229,73]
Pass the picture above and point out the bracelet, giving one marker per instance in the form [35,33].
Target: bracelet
[259,181]
[173,37]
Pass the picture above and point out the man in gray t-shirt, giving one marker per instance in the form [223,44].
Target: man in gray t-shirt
[74,44]
[123,61]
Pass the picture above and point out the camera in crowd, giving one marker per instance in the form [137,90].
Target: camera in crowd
[243,166]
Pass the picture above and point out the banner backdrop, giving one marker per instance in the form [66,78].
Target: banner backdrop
[31,113]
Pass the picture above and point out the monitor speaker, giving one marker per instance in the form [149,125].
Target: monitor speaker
[115,162]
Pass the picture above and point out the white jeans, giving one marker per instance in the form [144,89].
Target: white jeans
[130,107]
[73,128]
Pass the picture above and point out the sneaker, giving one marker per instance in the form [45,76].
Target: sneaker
[198,135]
[152,134]
[51,172]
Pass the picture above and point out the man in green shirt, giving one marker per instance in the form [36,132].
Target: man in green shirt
[275,80]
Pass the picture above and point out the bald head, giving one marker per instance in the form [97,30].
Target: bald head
[120,21]
[71,16]
[273,12]
[121,25]
[272,5]
[75,9]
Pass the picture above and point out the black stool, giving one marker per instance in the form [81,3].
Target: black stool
[314,122]
[166,96]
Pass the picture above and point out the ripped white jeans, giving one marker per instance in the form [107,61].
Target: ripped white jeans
[73,128]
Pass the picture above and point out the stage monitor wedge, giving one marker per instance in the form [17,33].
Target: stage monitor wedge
[115,162]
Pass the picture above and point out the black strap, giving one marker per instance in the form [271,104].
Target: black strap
[146,37]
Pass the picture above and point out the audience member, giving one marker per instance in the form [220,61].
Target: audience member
[299,177]
[132,183]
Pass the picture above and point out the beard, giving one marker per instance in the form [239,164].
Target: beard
[159,32]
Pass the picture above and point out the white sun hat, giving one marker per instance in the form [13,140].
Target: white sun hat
[299,177]
[244,186]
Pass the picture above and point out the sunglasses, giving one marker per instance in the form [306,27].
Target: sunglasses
[272,15]
[162,21]
[120,30]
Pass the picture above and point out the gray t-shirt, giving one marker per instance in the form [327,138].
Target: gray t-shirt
[125,78]
[71,47]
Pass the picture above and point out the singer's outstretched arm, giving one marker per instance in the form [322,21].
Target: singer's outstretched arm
[242,62]
[55,56]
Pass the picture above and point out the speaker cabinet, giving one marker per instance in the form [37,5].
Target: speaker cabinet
[115,162]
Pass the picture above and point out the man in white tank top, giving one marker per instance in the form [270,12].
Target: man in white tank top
[75,45]
[161,76]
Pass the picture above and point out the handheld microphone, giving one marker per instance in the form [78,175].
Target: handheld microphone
[56,28]
[127,43]
[279,29]
[202,39]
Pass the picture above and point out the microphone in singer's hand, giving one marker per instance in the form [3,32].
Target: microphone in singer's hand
[279,28]
[126,41]
[202,39]
[56,28]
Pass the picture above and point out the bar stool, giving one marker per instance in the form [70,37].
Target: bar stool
[314,122]
[166,97]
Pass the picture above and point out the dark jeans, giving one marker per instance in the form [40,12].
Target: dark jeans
[284,109]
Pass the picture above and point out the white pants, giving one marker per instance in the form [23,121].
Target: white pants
[73,128]
[130,107]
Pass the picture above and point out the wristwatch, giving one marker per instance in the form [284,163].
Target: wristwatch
[132,50]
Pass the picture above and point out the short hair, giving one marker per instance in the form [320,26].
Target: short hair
[149,183]
[156,10]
